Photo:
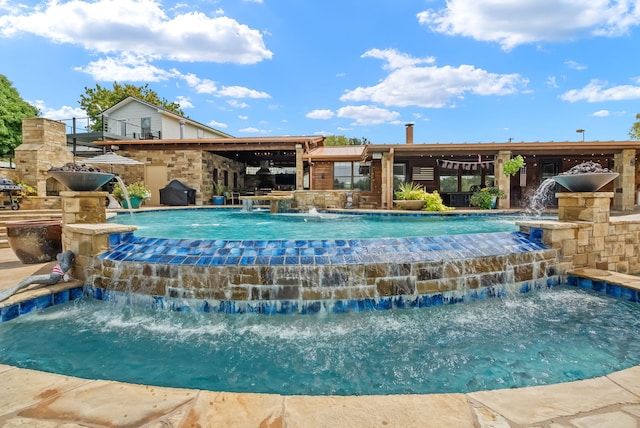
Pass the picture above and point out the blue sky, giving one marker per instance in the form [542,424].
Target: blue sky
[461,71]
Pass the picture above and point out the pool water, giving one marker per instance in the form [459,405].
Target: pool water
[543,337]
[236,224]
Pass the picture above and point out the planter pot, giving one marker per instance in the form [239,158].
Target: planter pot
[135,202]
[412,205]
[218,200]
[35,241]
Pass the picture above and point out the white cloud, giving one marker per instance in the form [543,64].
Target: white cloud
[432,86]
[241,92]
[243,117]
[395,59]
[551,81]
[575,65]
[215,124]
[512,23]
[368,115]
[601,113]
[184,102]
[125,67]
[320,114]
[61,113]
[237,104]
[201,86]
[253,130]
[207,86]
[595,91]
[104,26]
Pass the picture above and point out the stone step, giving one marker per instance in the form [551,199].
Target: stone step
[4,243]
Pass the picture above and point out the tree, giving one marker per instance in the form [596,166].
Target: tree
[341,140]
[634,132]
[12,110]
[97,99]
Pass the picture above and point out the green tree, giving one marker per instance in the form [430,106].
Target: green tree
[634,132]
[341,140]
[97,99]
[12,110]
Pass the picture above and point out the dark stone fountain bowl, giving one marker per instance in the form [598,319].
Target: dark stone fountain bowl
[585,182]
[82,181]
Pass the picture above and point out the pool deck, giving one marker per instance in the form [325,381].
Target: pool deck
[38,399]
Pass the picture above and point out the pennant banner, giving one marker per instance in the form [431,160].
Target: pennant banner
[466,166]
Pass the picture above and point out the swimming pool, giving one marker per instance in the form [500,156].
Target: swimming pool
[206,223]
[542,337]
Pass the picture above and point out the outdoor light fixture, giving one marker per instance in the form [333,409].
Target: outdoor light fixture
[581,131]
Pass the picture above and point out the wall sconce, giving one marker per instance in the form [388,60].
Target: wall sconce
[376,155]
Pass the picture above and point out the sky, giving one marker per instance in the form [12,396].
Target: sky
[461,71]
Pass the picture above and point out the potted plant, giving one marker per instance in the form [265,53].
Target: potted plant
[512,166]
[137,192]
[410,196]
[218,191]
[486,197]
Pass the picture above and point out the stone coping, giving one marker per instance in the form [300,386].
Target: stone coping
[99,228]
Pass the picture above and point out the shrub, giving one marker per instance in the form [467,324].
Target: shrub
[483,198]
[434,202]
[135,190]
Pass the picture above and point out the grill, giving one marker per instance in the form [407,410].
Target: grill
[7,186]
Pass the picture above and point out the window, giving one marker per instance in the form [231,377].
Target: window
[123,127]
[399,174]
[145,126]
[351,175]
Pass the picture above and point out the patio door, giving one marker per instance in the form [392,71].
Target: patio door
[156,178]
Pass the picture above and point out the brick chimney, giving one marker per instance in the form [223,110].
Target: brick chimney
[409,132]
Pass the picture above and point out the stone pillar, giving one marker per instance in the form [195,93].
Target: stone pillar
[589,212]
[625,185]
[44,145]
[584,206]
[83,207]
[84,229]
[502,181]
[299,167]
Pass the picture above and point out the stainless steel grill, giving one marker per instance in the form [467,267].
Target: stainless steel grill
[9,187]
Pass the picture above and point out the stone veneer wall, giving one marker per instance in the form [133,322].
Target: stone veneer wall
[320,282]
[323,199]
[193,168]
[586,236]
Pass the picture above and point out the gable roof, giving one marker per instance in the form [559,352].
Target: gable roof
[164,112]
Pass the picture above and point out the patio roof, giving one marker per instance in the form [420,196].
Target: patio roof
[337,153]
[531,147]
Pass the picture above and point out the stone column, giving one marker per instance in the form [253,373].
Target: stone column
[625,189]
[502,181]
[84,229]
[44,145]
[590,213]
[299,167]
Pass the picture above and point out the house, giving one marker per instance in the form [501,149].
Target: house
[136,119]
[173,147]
